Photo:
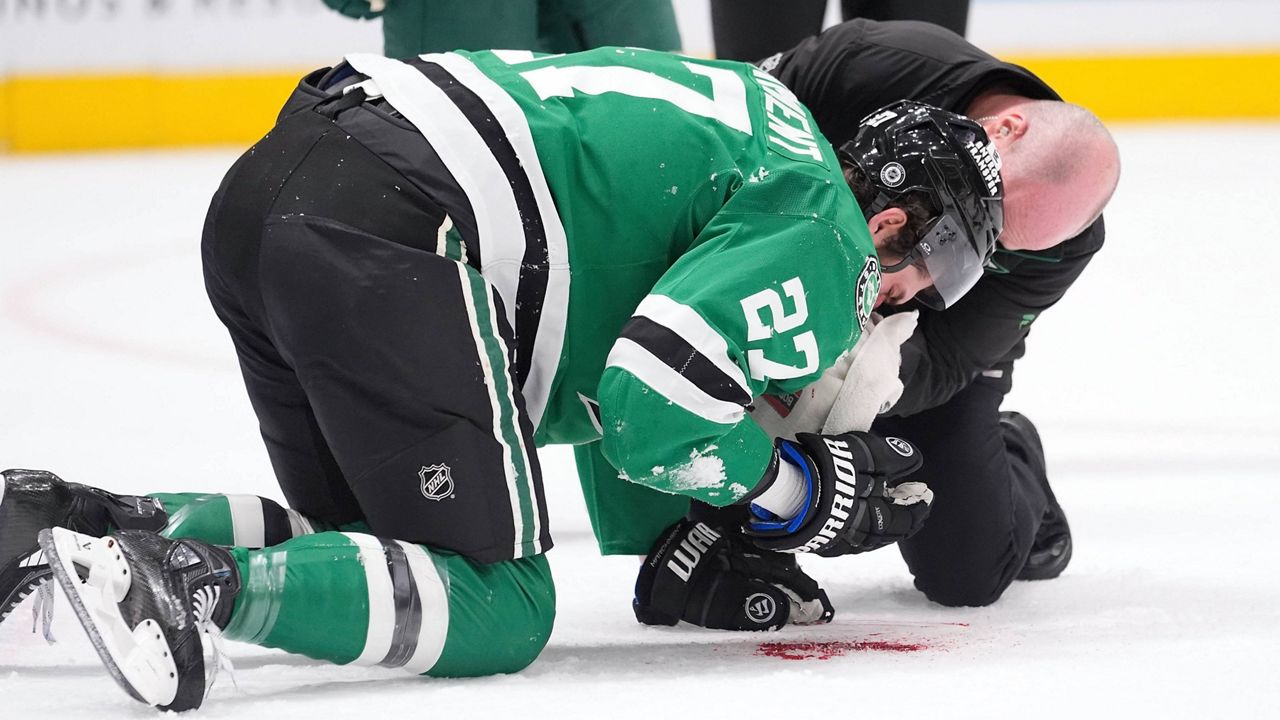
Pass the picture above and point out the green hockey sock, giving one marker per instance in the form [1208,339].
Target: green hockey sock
[358,599]
[240,520]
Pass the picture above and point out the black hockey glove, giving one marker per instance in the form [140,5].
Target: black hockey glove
[713,578]
[855,501]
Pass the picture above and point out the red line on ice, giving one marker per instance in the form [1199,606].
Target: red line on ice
[22,303]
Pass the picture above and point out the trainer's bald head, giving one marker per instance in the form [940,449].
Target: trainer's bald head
[1060,167]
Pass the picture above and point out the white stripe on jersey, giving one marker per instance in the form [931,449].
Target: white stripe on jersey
[468,158]
[693,329]
[515,57]
[495,403]
[646,367]
[549,341]
[248,529]
[500,228]
[382,604]
[433,597]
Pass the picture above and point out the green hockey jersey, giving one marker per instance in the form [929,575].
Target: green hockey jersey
[669,237]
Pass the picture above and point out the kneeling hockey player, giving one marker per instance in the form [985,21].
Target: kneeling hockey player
[429,267]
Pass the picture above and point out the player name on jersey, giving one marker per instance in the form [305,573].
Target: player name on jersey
[789,128]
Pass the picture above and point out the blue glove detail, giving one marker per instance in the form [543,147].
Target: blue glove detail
[767,521]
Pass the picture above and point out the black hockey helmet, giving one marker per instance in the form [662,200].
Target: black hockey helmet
[909,146]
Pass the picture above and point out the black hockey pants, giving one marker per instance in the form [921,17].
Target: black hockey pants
[987,505]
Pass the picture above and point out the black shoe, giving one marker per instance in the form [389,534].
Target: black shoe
[1051,549]
[145,601]
[32,500]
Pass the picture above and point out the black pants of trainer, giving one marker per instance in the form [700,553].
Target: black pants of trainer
[988,502]
[752,30]
[359,348]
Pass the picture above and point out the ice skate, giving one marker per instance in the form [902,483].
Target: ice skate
[1051,549]
[145,602]
[32,500]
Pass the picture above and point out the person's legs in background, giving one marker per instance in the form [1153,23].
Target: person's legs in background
[950,14]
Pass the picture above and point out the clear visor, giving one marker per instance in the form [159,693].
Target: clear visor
[952,264]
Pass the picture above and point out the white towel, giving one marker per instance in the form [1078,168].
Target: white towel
[872,385]
[861,384]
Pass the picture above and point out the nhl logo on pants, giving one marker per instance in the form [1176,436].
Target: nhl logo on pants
[761,608]
[437,481]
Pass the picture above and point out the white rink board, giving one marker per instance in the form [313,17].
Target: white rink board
[87,36]
[73,36]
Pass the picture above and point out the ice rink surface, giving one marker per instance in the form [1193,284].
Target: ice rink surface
[1153,383]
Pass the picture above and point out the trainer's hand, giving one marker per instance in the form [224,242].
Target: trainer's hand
[856,501]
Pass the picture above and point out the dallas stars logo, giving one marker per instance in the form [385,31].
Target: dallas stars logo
[867,288]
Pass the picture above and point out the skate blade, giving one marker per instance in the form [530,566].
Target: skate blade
[139,658]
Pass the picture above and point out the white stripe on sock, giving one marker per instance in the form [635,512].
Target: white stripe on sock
[382,606]
[298,525]
[433,596]
[247,526]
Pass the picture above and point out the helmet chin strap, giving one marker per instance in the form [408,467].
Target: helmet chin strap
[880,203]
[902,264]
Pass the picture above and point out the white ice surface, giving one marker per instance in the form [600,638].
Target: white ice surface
[1154,385]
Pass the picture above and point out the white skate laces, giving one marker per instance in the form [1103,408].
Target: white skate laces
[204,601]
[42,611]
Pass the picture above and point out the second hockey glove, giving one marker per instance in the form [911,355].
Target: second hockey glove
[714,579]
[855,502]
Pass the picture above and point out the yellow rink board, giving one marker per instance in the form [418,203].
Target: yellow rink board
[86,112]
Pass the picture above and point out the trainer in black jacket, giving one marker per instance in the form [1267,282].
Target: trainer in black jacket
[991,495]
